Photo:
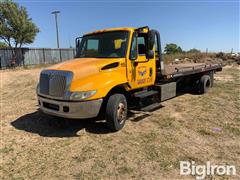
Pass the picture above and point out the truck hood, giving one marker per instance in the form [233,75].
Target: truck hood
[83,67]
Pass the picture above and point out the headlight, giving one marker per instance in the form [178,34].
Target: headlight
[82,95]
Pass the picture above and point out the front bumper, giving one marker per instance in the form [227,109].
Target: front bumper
[72,110]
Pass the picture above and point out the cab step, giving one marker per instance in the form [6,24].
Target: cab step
[151,107]
[145,94]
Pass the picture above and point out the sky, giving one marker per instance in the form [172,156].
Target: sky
[190,24]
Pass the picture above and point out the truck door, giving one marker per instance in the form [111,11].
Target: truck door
[141,71]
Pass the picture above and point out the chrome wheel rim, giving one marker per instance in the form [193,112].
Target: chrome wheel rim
[121,113]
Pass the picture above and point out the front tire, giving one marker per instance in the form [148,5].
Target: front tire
[116,111]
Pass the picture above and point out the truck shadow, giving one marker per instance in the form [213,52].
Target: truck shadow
[49,126]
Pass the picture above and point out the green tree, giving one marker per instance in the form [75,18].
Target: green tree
[220,55]
[194,51]
[3,45]
[16,28]
[172,49]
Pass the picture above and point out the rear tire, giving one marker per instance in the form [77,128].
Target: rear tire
[204,84]
[116,111]
[211,74]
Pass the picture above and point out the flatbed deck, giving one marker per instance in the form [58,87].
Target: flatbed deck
[177,70]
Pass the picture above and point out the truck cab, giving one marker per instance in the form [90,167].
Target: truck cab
[112,69]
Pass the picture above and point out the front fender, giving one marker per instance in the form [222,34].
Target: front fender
[103,82]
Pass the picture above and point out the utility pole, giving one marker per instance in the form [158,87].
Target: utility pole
[56,13]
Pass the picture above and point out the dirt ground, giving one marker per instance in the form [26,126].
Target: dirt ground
[200,128]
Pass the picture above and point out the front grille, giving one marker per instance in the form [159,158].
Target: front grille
[55,83]
[44,84]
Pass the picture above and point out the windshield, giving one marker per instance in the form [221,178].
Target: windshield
[104,45]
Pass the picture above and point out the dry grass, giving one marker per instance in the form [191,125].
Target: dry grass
[35,146]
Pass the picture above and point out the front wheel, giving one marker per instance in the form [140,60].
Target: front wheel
[116,111]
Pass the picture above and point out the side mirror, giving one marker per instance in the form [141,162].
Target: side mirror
[151,39]
[150,54]
[77,41]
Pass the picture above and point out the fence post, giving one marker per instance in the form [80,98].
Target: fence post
[44,60]
[60,54]
[22,57]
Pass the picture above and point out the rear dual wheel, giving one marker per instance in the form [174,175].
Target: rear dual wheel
[205,84]
[116,111]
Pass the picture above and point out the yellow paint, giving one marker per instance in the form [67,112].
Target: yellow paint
[112,29]
[136,76]
[87,73]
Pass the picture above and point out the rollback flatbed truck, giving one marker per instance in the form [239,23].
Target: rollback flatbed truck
[116,69]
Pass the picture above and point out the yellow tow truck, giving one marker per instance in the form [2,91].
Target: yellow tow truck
[116,69]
